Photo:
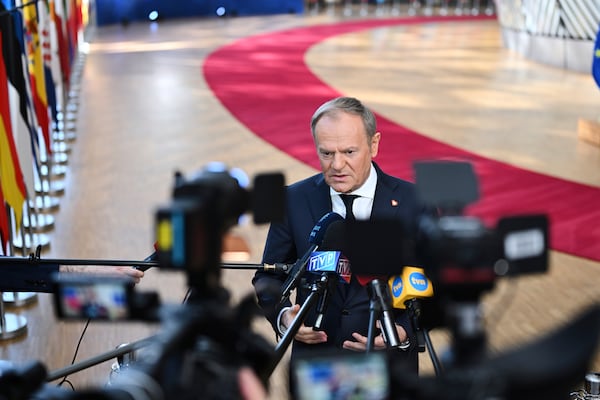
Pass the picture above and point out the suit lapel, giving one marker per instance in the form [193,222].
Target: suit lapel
[318,199]
[387,199]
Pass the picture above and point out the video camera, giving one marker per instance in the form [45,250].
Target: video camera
[190,230]
[204,342]
[189,239]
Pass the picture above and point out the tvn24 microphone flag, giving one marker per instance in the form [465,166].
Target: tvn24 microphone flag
[596,60]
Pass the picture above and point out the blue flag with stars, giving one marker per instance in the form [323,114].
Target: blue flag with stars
[596,60]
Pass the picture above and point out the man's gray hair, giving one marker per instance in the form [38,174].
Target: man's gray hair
[348,105]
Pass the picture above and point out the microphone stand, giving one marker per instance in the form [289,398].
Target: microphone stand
[329,287]
[277,267]
[145,264]
[35,259]
[316,290]
[90,362]
[242,266]
[413,307]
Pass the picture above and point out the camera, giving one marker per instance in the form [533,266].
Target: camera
[203,342]
[190,230]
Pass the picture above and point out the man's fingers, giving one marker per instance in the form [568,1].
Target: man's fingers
[354,346]
[359,338]
[360,343]
[309,336]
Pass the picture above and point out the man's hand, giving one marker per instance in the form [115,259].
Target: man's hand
[132,272]
[250,386]
[305,334]
[378,344]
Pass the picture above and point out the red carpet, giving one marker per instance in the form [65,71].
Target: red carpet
[264,82]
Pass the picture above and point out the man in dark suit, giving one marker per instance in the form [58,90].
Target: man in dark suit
[346,139]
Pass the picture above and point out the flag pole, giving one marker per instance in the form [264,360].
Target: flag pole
[20,299]
[11,325]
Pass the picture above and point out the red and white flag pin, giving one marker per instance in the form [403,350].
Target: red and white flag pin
[394,202]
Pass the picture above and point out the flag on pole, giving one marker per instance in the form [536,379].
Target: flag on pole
[11,177]
[72,29]
[596,60]
[33,49]
[25,137]
[51,69]
[4,225]
[59,16]
[56,49]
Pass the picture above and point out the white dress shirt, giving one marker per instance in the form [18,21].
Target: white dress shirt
[362,206]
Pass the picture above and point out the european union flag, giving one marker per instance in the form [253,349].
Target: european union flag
[596,60]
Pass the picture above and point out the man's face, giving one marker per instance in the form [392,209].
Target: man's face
[344,151]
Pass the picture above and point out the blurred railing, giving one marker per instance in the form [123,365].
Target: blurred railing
[556,32]
[576,19]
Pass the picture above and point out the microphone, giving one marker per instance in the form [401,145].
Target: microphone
[315,240]
[411,284]
[330,258]
[330,261]
[406,290]
[380,293]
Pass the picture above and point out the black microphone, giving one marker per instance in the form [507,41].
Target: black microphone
[379,292]
[331,264]
[315,240]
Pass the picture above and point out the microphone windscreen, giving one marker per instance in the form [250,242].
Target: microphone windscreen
[319,231]
[334,239]
[412,284]
[268,198]
[375,247]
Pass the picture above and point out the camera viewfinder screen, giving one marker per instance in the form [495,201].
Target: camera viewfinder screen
[338,377]
[95,301]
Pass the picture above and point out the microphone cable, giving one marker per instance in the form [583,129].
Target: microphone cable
[65,380]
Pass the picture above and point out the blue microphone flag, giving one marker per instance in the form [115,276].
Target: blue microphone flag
[329,261]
